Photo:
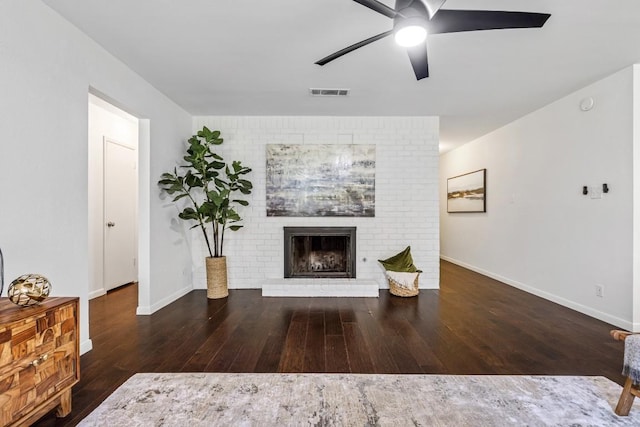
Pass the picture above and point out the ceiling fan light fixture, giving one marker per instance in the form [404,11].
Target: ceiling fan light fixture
[411,31]
[410,36]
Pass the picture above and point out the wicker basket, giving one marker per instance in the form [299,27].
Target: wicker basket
[400,291]
[217,277]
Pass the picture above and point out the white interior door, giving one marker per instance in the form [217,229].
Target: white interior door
[120,195]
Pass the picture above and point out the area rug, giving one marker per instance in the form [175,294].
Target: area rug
[212,399]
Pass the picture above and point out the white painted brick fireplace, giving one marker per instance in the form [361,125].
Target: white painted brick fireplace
[406,199]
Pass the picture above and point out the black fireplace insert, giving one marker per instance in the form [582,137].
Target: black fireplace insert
[327,252]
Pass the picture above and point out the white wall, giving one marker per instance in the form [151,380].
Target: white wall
[636,198]
[539,232]
[406,193]
[47,69]
[105,121]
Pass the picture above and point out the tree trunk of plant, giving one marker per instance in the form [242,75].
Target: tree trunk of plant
[217,277]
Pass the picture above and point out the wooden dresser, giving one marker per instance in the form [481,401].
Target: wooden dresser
[39,359]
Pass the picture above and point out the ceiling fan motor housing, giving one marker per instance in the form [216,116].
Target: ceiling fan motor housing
[410,12]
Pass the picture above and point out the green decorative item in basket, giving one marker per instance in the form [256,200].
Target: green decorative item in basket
[400,262]
[29,289]
[402,274]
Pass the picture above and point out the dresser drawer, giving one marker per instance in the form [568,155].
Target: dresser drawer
[38,358]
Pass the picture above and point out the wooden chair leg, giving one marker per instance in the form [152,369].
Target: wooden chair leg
[626,399]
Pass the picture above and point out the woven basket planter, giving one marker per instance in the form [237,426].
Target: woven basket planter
[217,277]
[401,291]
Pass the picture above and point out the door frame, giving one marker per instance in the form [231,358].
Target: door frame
[108,121]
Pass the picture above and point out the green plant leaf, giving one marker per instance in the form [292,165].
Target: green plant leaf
[208,210]
[220,183]
[216,198]
[188,214]
[235,227]
[233,215]
[204,133]
[241,202]
[180,196]
[245,183]
[211,174]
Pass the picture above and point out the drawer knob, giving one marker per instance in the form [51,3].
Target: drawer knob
[40,359]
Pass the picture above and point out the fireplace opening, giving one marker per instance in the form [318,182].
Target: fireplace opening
[327,252]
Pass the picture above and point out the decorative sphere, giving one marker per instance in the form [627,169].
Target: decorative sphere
[29,289]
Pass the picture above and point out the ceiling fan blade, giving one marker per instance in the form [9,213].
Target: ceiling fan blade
[433,6]
[353,47]
[419,61]
[453,21]
[378,7]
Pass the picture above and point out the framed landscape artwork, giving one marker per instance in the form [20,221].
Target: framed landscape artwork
[467,193]
[320,180]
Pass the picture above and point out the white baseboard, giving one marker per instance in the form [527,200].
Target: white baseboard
[589,311]
[96,294]
[86,346]
[147,310]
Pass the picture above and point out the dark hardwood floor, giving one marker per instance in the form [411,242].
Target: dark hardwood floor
[472,325]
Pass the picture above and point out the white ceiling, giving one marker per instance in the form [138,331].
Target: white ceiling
[240,57]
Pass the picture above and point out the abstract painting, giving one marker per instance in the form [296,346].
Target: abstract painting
[467,193]
[317,180]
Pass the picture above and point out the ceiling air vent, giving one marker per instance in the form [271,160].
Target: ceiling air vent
[328,92]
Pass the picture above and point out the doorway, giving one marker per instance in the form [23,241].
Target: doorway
[120,195]
[113,197]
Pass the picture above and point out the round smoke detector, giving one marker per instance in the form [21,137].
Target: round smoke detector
[586,104]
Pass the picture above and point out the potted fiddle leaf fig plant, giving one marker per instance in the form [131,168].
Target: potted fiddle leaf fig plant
[211,187]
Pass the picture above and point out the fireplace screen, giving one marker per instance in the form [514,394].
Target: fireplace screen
[319,252]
